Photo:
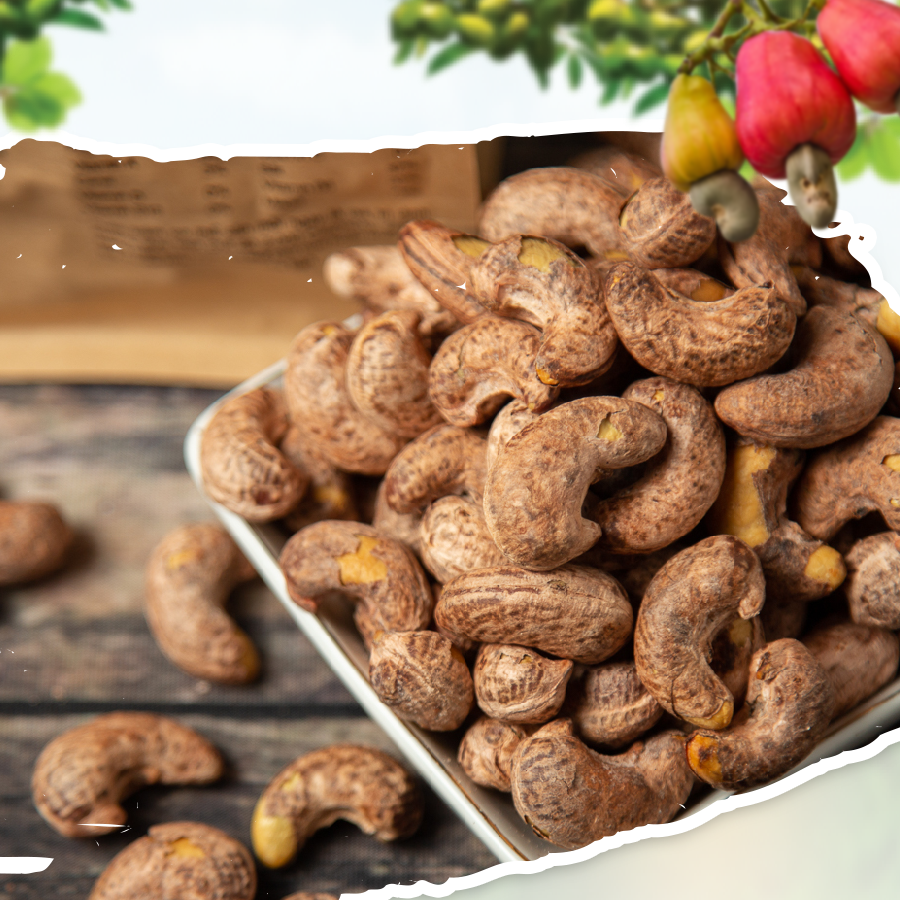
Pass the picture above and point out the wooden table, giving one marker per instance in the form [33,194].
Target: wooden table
[76,644]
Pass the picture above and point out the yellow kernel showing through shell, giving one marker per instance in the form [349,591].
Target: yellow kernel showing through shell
[546,377]
[659,396]
[888,324]
[470,245]
[892,462]
[539,254]
[361,567]
[826,565]
[608,432]
[182,558]
[274,838]
[703,758]
[739,510]
[709,292]
[186,849]
[716,722]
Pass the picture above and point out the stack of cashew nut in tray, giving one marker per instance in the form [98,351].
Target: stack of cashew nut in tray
[622,518]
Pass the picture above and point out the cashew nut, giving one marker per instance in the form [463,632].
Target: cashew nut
[707,344]
[81,777]
[873,577]
[380,573]
[572,796]
[790,701]
[34,541]
[692,598]
[842,375]
[486,752]
[240,462]
[359,784]
[179,859]
[536,487]
[573,612]
[188,579]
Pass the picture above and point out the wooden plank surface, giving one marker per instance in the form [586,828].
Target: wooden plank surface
[76,644]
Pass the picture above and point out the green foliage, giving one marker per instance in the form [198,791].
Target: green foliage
[877,146]
[33,96]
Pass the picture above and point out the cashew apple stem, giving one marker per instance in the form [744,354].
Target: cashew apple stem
[727,198]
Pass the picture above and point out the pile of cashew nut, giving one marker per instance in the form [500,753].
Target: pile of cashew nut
[614,500]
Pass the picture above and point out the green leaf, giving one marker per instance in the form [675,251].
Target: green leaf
[77,19]
[651,99]
[55,84]
[884,154]
[450,54]
[404,51]
[26,60]
[28,110]
[610,90]
[575,71]
[856,159]
[37,10]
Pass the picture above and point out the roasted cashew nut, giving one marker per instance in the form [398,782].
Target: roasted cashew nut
[359,784]
[572,796]
[695,595]
[188,579]
[536,487]
[34,540]
[486,752]
[379,572]
[790,701]
[873,573]
[81,777]
[240,462]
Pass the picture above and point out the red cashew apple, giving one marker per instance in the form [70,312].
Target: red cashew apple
[795,119]
[700,153]
[863,38]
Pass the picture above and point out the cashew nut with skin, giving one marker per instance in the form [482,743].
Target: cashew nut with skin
[692,598]
[486,752]
[188,860]
[81,777]
[541,282]
[481,366]
[571,795]
[681,482]
[379,572]
[859,475]
[423,677]
[841,377]
[188,579]
[537,485]
[34,541]
[872,587]
[573,612]
[240,462]
[703,343]
[359,784]
[790,701]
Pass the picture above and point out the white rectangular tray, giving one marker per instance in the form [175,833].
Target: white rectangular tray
[490,815]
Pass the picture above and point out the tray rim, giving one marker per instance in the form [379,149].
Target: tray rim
[876,716]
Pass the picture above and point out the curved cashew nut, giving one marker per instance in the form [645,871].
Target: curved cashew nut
[454,539]
[622,170]
[379,572]
[316,392]
[511,419]
[423,677]
[179,859]
[790,701]
[403,527]
[81,777]
[701,343]
[613,708]
[187,582]
[387,374]
[697,594]
[535,490]
[873,573]
[379,278]
[34,541]
[858,659]
[682,481]
[569,205]
[478,368]
[541,282]
[820,290]
[445,460]
[240,462]
[359,784]
[518,685]
[661,228]
[486,752]
[752,506]
[859,475]
[842,375]
[693,284]
[442,259]
[574,612]
[572,796]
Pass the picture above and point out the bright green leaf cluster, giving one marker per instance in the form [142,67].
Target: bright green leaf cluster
[33,96]
[877,146]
